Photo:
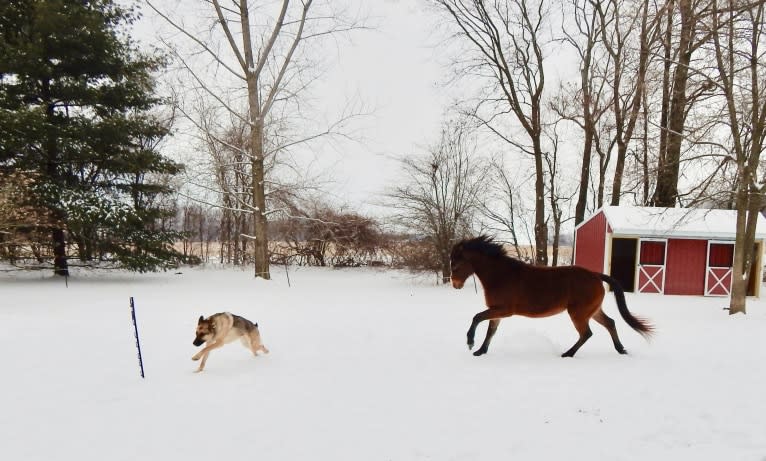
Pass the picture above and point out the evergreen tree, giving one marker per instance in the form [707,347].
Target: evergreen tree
[76,101]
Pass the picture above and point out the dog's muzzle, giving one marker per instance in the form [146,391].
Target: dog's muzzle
[198,342]
[457,283]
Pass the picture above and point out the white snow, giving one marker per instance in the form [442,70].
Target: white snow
[676,222]
[365,365]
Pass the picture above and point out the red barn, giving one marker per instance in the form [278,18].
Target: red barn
[678,251]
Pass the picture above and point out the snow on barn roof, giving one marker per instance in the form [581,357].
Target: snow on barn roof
[676,222]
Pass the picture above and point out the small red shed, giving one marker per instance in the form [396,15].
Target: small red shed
[680,251]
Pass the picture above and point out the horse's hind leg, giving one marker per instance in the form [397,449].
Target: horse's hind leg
[608,323]
[491,329]
[581,324]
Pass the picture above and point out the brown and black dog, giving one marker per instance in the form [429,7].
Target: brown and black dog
[223,328]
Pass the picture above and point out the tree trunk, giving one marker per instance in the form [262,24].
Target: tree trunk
[582,197]
[541,227]
[601,183]
[645,180]
[744,256]
[446,271]
[739,275]
[588,133]
[619,168]
[60,263]
[260,222]
[665,105]
[556,237]
[619,127]
[256,114]
[667,176]
[627,116]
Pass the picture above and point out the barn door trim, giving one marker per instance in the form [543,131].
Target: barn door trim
[721,276]
[650,278]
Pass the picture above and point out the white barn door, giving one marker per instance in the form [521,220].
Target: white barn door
[720,260]
[652,257]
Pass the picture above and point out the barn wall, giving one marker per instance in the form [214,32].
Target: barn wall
[685,270]
[590,242]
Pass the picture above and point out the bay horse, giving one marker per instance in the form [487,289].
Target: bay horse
[512,287]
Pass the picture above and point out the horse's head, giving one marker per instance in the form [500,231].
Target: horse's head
[461,267]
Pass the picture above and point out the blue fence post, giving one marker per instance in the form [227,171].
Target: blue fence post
[135,331]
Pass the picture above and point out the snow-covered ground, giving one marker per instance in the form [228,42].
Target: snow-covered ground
[365,365]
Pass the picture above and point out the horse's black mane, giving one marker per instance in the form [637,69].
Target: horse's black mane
[486,245]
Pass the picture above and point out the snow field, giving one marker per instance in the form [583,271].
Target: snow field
[365,365]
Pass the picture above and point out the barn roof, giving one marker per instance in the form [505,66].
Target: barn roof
[676,222]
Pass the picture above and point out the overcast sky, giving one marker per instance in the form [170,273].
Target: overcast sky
[396,70]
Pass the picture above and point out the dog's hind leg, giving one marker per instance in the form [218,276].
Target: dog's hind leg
[253,342]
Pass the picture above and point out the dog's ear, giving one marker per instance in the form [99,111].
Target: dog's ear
[256,324]
[201,318]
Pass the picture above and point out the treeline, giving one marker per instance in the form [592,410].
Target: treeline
[319,235]
[664,107]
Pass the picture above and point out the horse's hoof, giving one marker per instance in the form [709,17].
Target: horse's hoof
[567,354]
[470,346]
[623,352]
[480,352]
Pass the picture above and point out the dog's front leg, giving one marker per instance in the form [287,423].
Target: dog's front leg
[205,352]
[208,347]
[202,363]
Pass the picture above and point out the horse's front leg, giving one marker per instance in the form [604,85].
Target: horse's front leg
[491,329]
[477,319]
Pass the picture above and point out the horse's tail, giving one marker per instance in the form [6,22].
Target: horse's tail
[637,323]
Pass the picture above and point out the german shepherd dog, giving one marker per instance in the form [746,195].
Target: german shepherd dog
[223,328]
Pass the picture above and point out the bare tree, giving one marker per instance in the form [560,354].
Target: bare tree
[229,163]
[507,39]
[264,64]
[614,40]
[681,88]
[440,191]
[199,229]
[555,196]
[225,175]
[583,103]
[505,212]
[620,20]
[317,233]
[738,34]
